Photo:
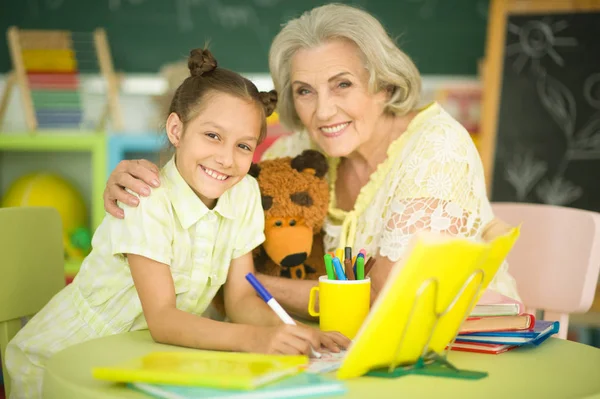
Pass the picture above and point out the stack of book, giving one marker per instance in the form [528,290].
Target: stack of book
[498,324]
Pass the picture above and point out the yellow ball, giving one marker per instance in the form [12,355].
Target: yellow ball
[45,189]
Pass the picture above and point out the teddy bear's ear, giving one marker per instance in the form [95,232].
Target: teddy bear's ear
[311,161]
[254,170]
[302,198]
[267,202]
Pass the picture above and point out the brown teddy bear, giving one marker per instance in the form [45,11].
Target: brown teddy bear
[295,197]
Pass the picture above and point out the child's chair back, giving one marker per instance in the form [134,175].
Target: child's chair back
[31,267]
[556,260]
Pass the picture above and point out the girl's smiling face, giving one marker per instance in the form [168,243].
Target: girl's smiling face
[331,96]
[214,151]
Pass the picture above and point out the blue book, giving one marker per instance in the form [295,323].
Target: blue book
[304,385]
[541,331]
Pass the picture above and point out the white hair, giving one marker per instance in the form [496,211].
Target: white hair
[389,67]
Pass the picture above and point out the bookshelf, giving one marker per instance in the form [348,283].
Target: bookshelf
[127,146]
[81,157]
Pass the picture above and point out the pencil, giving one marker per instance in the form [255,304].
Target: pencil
[369,265]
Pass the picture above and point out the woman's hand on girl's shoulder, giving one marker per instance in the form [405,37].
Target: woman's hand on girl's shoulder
[135,175]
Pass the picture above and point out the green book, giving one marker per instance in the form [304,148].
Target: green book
[304,385]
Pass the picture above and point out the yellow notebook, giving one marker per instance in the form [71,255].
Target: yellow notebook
[448,262]
[227,370]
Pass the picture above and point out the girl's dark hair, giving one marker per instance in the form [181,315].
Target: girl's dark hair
[206,79]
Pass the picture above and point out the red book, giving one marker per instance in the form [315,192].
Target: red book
[492,349]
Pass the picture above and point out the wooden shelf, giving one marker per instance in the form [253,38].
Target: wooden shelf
[52,141]
[119,145]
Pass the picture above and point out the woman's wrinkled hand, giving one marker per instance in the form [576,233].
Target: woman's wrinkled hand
[496,228]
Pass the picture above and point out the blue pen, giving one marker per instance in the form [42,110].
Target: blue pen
[339,270]
[273,304]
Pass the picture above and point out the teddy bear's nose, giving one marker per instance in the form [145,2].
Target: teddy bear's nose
[294,259]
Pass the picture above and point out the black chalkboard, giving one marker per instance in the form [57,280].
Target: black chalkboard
[548,128]
[443,37]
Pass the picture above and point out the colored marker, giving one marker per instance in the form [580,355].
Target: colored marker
[339,253]
[369,265]
[360,255]
[273,304]
[329,267]
[348,269]
[347,253]
[360,268]
[339,270]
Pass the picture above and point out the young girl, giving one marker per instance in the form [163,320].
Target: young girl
[160,266]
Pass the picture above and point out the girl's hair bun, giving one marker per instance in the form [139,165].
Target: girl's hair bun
[269,100]
[200,62]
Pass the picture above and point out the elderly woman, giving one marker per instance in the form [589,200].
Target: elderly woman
[347,90]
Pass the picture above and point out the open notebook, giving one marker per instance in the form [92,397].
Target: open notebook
[451,274]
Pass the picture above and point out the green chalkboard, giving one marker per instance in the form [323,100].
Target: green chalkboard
[442,36]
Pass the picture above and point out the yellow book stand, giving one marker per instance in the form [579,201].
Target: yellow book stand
[418,314]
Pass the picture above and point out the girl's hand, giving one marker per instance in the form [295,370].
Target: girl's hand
[330,340]
[294,340]
[283,340]
[137,176]
[333,340]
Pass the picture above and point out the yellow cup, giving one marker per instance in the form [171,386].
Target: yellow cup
[343,304]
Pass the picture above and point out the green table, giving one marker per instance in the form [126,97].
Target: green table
[556,369]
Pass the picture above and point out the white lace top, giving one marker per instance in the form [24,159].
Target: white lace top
[432,179]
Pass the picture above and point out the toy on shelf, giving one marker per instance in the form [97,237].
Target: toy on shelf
[47,67]
[45,189]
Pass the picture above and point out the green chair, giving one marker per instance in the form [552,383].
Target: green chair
[31,267]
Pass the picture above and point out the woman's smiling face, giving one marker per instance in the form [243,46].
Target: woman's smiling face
[332,97]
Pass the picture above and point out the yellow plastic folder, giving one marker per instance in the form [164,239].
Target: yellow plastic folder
[226,370]
[450,273]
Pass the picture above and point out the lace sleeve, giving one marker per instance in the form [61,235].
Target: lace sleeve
[438,186]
